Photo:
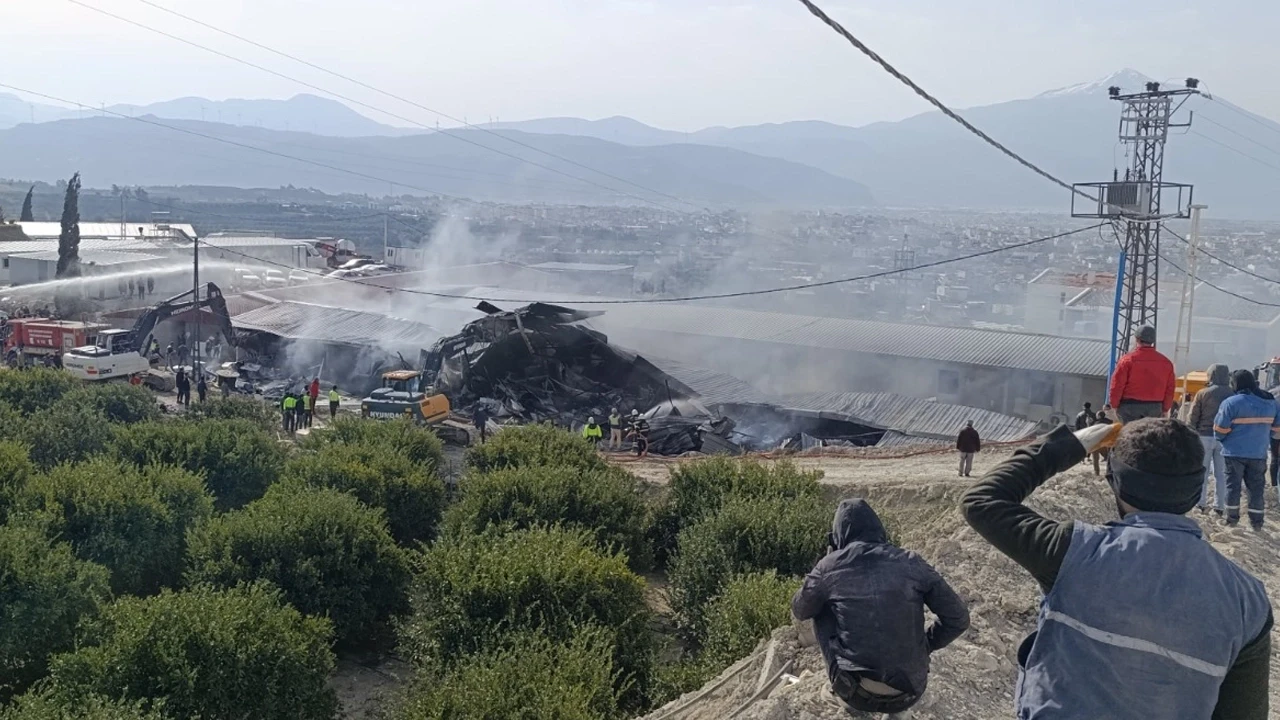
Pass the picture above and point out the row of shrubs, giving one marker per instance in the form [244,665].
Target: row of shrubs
[170,546]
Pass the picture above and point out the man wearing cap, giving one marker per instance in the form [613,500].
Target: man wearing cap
[1141,618]
[1244,425]
[1143,382]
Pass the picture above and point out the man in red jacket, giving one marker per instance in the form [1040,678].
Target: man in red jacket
[1143,383]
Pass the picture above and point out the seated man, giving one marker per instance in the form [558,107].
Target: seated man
[1141,617]
[867,600]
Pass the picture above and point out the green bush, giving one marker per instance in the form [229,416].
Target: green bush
[536,445]
[64,434]
[132,521]
[36,389]
[215,655]
[265,415]
[699,488]
[749,609]
[786,535]
[409,493]
[118,402]
[529,677]
[415,443]
[330,556]
[472,590]
[44,591]
[605,503]
[50,706]
[15,470]
[237,458]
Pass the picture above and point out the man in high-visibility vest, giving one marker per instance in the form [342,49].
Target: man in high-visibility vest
[615,430]
[308,410]
[333,402]
[288,408]
[591,432]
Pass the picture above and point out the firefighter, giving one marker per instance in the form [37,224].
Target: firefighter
[308,409]
[333,402]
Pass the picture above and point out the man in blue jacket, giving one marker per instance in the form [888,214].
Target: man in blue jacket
[1141,618]
[1244,425]
[866,599]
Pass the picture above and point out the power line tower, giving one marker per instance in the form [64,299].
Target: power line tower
[1141,200]
[904,259]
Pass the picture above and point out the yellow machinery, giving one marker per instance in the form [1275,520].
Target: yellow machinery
[1192,383]
[402,395]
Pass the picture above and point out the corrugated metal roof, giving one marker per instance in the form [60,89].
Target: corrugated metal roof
[93,257]
[713,388]
[304,321]
[893,439]
[966,345]
[25,247]
[582,267]
[242,241]
[911,416]
[42,230]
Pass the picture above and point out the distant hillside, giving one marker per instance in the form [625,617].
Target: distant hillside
[120,151]
[929,160]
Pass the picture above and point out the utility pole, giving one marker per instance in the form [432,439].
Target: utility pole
[1142,201]
[1186,309]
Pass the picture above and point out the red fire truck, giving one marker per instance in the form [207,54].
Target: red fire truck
[32,340]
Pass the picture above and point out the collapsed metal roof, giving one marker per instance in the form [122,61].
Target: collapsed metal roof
[910,416]
[321,323]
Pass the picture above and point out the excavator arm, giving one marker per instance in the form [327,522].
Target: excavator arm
[145,325]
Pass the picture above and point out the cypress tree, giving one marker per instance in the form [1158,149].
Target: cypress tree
[69,239]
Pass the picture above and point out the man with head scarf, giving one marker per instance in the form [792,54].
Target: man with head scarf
[866,599]
[1141,618]
[1244,424]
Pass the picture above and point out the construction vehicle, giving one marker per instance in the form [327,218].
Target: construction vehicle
[403,394]
[32,341]
[123,353]
[1268,374]
[1192,383]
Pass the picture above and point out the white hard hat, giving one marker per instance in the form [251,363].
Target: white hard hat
[591,420]
[635,411]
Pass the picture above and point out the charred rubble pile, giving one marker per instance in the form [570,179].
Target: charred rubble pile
[536,364]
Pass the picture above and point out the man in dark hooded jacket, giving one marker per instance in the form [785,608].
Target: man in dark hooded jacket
[1203,410]
[867,599]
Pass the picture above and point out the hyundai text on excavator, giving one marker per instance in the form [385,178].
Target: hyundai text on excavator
[123,353]
[402,395]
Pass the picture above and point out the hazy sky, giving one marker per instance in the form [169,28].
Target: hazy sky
[679,64]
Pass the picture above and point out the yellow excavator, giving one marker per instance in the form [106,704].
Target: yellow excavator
[402,395]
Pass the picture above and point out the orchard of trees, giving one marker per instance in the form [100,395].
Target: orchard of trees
[162,568]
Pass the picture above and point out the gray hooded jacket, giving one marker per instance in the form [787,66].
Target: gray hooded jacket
[867,600]
[1204,408]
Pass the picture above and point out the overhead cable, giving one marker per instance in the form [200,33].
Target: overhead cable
[865,50]
[1235,150]
[687,298]
[1216,287]
[374,108]
[407,101]
[1239,134]
[1228,263]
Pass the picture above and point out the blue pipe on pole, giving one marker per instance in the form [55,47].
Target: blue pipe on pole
[1115,319]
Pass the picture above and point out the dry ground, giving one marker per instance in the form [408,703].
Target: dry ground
[974,677]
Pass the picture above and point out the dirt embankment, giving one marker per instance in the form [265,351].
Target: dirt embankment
[974,677]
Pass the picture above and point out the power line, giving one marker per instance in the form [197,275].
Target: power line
[374,108]
[246,146]
[689,298]
[1246,115]
[1237,133]
[1227,263]
[1215,287]
[1236,150]
[862,47]
[407,101]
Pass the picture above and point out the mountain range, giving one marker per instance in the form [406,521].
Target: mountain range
[1232,155]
